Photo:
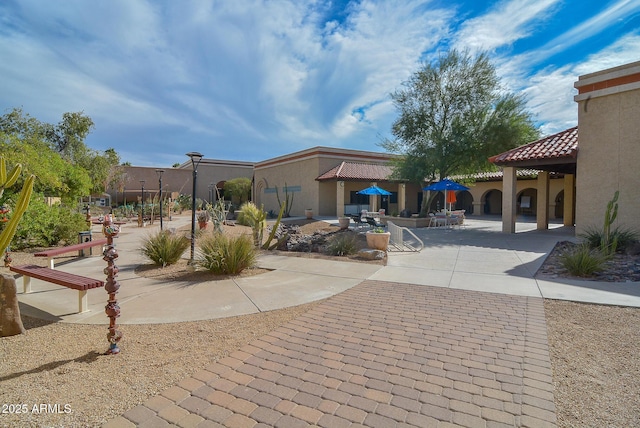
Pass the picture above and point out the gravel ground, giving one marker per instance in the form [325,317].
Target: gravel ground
[595,355]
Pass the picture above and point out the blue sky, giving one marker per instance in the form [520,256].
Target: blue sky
[251,80]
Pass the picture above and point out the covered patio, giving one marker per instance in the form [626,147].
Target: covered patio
[556,153]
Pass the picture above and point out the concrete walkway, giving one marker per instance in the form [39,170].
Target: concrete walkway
[452,336]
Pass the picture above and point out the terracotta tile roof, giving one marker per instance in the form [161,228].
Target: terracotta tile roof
[495,175]
[357,171]
[556,147]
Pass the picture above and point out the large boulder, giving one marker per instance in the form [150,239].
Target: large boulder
[10,321]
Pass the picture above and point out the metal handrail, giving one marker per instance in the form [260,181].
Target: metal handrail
[397,238]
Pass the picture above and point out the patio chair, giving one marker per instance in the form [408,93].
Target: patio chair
[357,220]
[373,223]
[437,220]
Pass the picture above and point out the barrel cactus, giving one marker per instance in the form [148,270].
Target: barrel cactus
[7,180]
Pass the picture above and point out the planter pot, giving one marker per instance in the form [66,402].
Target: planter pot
[202,225]
[308,213]
[378,241]
[344,222]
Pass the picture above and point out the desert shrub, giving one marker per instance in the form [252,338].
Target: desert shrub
[224,255]
[183,202]
[69,224]
[621,236]
[46,226]
[165,248]
[583,260]
[343,244]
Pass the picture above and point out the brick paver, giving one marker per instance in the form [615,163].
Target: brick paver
[377,355]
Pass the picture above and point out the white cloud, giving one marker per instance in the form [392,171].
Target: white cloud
[245,75]
[505,23]
[550,91]
[623,51]
[585,30]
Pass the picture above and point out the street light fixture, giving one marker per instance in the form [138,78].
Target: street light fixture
[195,161]
[159,172]
[142,206]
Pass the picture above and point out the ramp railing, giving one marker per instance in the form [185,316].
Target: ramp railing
[397,241]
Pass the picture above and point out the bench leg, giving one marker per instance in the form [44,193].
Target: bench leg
[52,263]
[82,301]
[26,284]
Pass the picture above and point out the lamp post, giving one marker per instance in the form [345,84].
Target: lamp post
[142,206]
[195,161]
[159,172]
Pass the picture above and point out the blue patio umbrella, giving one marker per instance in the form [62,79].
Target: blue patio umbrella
[373,190]
[446,185]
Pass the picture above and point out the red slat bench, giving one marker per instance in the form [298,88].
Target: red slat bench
[69,280]
[50,254]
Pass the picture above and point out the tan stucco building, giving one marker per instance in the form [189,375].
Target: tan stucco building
[603,159]
[609,156]
[326,180]
[212,173]
[551,178]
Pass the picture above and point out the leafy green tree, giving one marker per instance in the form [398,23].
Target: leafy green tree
[68,137]
[453,115]
[57,154]
[238,189]
[55,175]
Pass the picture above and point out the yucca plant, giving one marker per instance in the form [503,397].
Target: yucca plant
[225,255]
[343,244]
[583,261]
[165,248]
[250,215]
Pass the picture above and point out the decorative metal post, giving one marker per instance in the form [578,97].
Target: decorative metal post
[7,257]
[111,286]
[141,217]
[159,172]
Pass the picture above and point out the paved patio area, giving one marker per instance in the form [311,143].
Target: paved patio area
[452,336]
[380,354]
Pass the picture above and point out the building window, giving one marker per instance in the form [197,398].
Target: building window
[354,198]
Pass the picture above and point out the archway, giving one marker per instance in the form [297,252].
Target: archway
[559,201]
[436,203]
[492,202]
[464,201]
[527,202]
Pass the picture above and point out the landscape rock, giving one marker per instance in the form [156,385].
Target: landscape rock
[10,321]
[371,254]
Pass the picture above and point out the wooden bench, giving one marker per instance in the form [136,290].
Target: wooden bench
[69,280]
[50,254]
